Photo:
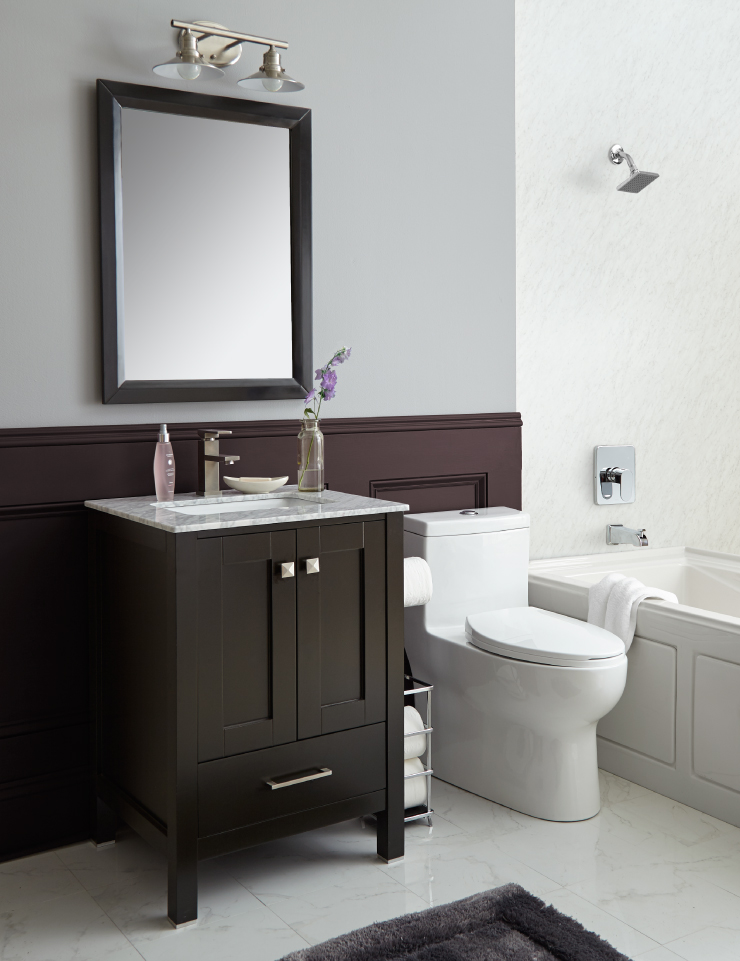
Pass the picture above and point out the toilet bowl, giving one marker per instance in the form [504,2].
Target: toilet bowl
[518,691]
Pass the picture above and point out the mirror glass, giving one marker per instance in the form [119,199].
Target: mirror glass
[205,219]
[206,249]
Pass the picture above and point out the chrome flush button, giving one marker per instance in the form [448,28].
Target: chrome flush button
[468,512]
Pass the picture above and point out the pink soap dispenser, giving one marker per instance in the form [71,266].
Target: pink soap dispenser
[164,467]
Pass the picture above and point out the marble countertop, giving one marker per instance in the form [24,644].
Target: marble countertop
[302,507]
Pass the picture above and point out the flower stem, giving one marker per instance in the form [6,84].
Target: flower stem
[310,446]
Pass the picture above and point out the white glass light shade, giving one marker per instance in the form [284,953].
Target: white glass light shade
[260,81]
[179,69]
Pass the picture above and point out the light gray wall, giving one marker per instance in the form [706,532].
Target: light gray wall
[413,105]
[628,304]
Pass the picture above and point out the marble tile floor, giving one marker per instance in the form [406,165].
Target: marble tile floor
[658,880]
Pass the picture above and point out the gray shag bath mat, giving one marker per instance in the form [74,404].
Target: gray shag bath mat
[505,924]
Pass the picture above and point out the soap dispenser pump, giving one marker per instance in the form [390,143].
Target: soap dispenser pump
[164,466]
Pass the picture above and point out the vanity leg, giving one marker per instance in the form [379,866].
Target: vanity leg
[390,821]
[182,807]
[182,891]
[390,836]
[104,831]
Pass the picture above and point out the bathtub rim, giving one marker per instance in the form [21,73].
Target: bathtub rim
[549,573]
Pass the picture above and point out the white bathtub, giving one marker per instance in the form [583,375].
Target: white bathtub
[676,729]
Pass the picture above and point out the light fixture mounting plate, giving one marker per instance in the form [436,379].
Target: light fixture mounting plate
[213,49]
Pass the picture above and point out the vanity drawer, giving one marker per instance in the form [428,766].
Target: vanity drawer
[234,791]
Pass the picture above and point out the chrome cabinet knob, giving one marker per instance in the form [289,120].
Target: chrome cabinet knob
[287,569]
[312,565]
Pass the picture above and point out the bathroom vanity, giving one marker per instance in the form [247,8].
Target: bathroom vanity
[248,671]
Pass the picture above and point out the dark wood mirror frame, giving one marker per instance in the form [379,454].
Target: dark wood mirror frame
[112,96]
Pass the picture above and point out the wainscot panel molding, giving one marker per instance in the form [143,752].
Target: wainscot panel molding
[442,462]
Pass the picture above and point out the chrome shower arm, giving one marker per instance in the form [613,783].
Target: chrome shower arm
[617,154]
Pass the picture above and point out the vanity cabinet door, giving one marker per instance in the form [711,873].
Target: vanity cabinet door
[246,643]
[341,627]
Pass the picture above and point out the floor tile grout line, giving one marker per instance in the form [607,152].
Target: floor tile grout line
[33,902]
[282,920]
[655,944]
[715,884]
[661,944]
[118,926]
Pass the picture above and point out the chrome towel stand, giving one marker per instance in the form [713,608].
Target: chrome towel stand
[415,686]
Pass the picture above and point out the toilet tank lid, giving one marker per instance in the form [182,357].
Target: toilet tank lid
[483,521]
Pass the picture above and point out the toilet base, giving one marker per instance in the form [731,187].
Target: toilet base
[555,780]
[517,733]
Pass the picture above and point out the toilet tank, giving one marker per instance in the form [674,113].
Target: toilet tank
[478,561]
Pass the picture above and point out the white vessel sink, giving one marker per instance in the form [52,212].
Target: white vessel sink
[264,504]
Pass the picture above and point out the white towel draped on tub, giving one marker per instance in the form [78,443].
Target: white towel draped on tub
[613,603]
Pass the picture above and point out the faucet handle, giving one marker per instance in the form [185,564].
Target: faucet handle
[622,477]
[211,433]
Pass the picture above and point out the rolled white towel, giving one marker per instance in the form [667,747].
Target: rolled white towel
[413,746]
[598,596]
[415,788]
[613,603]
[417,582]
[621,609]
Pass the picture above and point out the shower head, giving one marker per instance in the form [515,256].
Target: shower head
[638,179]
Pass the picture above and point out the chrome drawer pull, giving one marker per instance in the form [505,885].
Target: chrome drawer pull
[322,772]
[312,565]
[288,569]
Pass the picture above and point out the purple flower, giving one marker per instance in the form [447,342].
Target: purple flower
[319,373]
[329,380]
[328,393]
[341,356]
[310,395]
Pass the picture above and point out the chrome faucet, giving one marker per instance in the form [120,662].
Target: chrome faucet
[617,534]
[209,461]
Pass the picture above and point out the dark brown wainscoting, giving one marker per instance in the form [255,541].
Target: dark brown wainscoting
[431,463]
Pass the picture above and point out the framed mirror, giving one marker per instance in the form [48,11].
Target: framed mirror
[205,216]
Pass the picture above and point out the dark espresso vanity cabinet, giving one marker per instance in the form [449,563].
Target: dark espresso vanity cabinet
[248,683]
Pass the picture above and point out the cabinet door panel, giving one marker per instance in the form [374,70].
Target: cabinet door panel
[247,645]
[342,632]
[341,628]
[246,639]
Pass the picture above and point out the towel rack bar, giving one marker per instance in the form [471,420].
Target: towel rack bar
[418,817]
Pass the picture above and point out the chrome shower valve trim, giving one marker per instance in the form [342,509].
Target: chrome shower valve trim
[614,475]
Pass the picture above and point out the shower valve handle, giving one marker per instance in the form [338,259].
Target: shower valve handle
[620,476]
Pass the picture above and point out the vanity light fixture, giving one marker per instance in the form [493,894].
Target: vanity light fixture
[203,52]
[188,63]
[271,75]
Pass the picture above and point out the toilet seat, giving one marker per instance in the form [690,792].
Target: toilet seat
[543,637]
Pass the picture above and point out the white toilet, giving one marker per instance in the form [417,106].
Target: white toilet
[518,691]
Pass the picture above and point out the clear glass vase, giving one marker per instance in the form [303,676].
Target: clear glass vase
[310,456]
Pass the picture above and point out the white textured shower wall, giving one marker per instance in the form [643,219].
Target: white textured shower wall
[628,318]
